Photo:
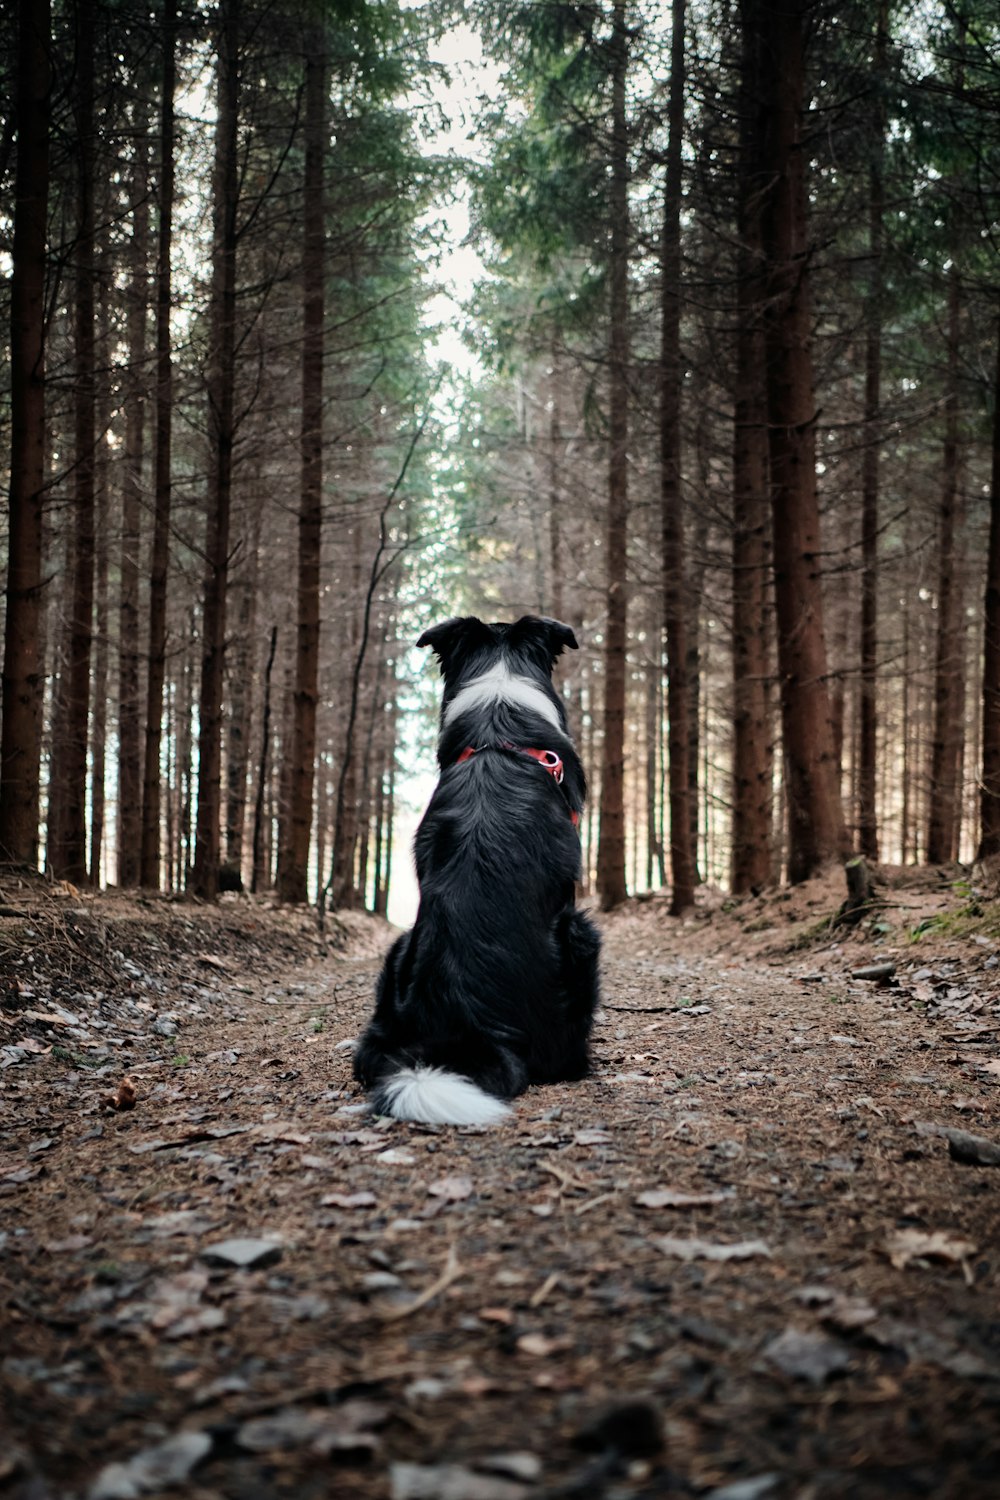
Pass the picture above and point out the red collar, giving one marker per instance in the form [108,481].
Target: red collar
[547,759]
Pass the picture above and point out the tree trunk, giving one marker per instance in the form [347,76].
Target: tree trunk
[753,752]
[388,815]
[867,746]
[675,599]
[611,846]
[258,878]
[99,724]
[149,860]
[555,495]
[221,405]
[68,851]
[949,665]
[815,815]
[241,701]
[23,660]
[989,800]
[129,768]
[293,863]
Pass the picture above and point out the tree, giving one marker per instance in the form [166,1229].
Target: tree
[149,860]
[20,736]
[129,762]
[868,654]
[815,818]
[675,594]
[67,850]
[293,864]
[221,400]
[751,858]
[611,847]
[989,841]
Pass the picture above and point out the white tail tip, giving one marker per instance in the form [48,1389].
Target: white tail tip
[433,1096]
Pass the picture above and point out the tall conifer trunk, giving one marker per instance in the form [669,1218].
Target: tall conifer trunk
[989,800]
[23,659]
[675,599]
[867,746]
[949,664]
[67,855]
[129,769]
[149,858]
[611,846]
[221,405]
[815,816]
[948,741]
[750,867]
[293,862]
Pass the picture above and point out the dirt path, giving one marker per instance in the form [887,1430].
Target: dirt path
[741,1233]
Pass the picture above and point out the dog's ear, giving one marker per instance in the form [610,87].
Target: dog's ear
[454,637]
[551,635]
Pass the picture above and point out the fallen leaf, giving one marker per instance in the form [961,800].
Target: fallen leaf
[449,1482]
[705,1250]
[914,1244]
[496,1315]
[672,1198]
[806,1355]
[451,1189]
[243,1254]
[71,1243]
[922,1347]
[395,1157]
[122,1099]
[523,1466]
[211,962]
[591,1137]
[540,1346]
[277,1130]
[348,1200]
[754,1488]
[167,1464]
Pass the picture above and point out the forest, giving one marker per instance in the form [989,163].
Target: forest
[727,404]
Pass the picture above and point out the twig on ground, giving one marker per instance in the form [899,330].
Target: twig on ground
[452,1271]
[539,1295]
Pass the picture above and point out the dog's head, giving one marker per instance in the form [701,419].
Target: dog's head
[467,647]
[499,668]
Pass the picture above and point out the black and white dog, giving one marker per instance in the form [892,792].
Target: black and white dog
[496,984]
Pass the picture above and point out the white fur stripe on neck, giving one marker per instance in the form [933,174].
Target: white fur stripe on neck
[502,685]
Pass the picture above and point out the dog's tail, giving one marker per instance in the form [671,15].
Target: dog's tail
[434,1096]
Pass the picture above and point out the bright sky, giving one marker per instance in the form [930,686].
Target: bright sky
[469,76]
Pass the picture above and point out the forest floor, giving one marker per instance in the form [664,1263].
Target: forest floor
[744,1259]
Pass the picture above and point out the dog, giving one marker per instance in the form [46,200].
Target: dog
[495,986]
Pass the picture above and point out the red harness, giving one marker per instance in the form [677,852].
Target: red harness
[547,759]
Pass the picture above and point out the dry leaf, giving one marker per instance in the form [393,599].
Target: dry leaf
[451,1189]
[496,1315]
[706,1250]
[212,962]
[914,1244]
[122,1099]
[540,1346]
[671,1198]
[349,1200]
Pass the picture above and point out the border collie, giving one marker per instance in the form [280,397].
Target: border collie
[496,984]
